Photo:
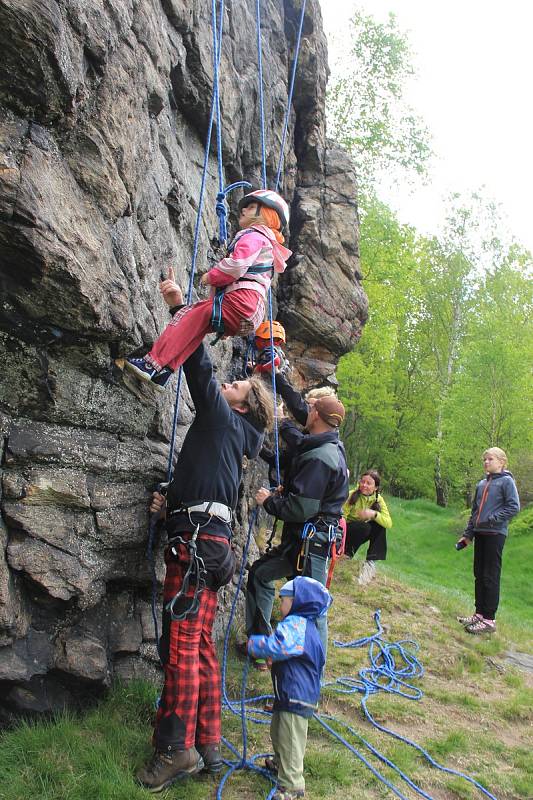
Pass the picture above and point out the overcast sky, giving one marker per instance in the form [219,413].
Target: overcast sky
[474,89]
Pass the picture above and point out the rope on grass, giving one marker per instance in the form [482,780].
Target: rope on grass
[391,664]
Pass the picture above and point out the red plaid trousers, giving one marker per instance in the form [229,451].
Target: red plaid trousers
[189,711]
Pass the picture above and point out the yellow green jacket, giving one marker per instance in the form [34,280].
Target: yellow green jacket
[365,501]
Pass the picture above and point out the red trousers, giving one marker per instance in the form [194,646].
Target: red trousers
[185,333]
[190,706]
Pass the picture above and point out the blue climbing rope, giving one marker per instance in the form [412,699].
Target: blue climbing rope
[391,664]
[261,94]
[289,98]
[274,395]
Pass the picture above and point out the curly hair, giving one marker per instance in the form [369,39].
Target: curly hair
[260,405]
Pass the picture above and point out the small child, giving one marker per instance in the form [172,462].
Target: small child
[263,346]
[239,285]
[496,501]
[298,658]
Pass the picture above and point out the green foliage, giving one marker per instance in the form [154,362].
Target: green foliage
[367,112]
[95,754]
[434,380]
[422,552]
[522,525]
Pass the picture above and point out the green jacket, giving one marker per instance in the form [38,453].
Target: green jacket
[383,517]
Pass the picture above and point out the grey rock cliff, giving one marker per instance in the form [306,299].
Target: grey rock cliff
[103,116]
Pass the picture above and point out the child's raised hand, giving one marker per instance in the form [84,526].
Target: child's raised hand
[172,294]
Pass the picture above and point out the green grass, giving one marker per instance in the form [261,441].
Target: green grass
[422,553]
[475,716]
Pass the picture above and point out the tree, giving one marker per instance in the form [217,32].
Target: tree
[367,112]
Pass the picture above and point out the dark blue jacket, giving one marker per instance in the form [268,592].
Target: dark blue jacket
[209,465]
[496,501]
[296,650]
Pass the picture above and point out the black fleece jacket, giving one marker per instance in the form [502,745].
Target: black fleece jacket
[209,466]
[317,486]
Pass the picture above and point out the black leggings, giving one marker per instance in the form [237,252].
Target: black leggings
[357,533]
[488,549]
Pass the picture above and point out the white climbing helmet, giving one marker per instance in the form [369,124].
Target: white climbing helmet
[270,199]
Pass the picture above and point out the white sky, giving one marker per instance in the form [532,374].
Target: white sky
[474,90]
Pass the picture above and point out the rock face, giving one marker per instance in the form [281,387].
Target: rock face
[104,107]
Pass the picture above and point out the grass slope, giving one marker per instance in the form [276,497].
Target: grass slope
[476,714]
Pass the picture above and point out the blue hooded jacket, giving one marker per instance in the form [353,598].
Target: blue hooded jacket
[495,503]
[296,650]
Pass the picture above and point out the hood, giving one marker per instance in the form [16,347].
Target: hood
[280,254]
[253,438]
[496,475]
[310,441]
[311,599]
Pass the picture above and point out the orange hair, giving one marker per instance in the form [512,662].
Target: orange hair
[272,221]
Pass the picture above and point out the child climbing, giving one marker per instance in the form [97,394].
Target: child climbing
[367,518]
[298,658]
[239,285]
[266,355]
[496,501]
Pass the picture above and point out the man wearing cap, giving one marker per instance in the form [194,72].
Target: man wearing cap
[310,505]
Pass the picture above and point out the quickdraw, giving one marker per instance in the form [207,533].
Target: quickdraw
[194,576]
[309,532]
[217,321]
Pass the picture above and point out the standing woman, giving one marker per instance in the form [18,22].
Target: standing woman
[496,502]
[367,518]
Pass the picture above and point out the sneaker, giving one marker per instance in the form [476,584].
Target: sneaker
[212,758]
[141,368]
[481,626]
[160,379]
[287,794]
[469,620]
[367,574]
[165,769]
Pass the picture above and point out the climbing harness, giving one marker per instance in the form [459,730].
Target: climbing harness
[194,577]
[322,539]
[217,321]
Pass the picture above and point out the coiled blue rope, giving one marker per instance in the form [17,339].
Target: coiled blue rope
[391,664]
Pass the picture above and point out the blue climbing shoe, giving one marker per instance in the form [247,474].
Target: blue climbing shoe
[141,368]
[160,379]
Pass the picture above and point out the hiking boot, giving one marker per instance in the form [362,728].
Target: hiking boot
[287,794]
[469,620]
[141,368]
[212,758]
[164,769]
[367,574]
[481,626]
[160,379]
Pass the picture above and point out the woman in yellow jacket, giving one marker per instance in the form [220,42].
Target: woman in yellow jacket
[367,518]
